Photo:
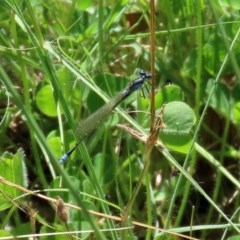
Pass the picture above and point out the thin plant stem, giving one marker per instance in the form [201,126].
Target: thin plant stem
[152,48]
[146,159]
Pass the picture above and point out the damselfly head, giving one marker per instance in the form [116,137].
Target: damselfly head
[144,74]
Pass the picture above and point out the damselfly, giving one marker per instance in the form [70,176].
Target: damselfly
[94,120]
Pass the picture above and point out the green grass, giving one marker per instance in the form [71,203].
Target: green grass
[61,60]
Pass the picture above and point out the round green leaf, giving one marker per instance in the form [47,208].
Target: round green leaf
[45,101]
[236,113]
[179,119]
[168,93]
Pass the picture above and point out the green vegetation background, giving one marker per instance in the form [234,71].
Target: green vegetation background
[61,60]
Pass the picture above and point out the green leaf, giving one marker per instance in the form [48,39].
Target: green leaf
[179,119]
[82,5]
[178,143]
[15,172]
[4,233]
[236,113]
[45,101]
[225,100]
[54,142]
[220,99]
[167,94]
[105,168]
[236,237]
[24,228]
[235,4]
